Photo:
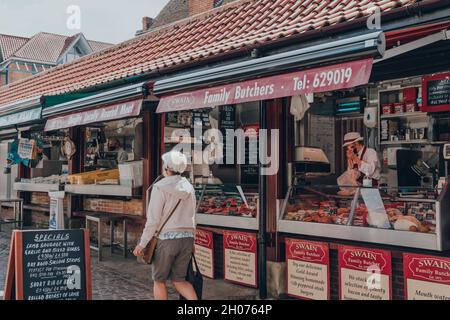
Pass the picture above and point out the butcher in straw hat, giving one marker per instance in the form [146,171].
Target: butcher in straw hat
[362,159]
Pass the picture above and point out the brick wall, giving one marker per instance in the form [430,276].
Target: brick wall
[128,207]
[199,6]
[42,199]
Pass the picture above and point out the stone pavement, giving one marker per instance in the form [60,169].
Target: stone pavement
[118,279]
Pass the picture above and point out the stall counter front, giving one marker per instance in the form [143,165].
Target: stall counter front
[368,216]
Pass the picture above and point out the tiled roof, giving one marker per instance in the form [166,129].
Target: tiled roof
[9,45]
[99,46]
[233,27]
[43,47]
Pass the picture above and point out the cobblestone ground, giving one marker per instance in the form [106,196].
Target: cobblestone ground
[118,279]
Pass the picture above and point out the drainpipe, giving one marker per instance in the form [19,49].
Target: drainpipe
[262,235]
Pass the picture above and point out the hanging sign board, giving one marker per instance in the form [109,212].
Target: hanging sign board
[20,117]
[329,78]
[307,269]
[426,277]
[204,252]
[107,113]
[49,265]
[364,274]
[240,258]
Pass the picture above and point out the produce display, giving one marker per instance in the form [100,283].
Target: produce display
[403,216]
[229,205]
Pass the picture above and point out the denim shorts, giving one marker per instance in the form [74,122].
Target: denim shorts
[171,259]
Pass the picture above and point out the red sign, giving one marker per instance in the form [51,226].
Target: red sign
[108,113]
[436,93]
[426,277]
[329,78]
[204,252]
[240,264]
[204,238]
[307,269]
[364,274]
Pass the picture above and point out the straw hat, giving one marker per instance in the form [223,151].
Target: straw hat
[351,138]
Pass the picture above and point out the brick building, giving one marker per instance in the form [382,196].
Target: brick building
[23,57]
[176,10]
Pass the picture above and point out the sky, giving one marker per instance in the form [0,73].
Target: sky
[111,21]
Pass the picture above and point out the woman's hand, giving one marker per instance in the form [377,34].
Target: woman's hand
[138,251]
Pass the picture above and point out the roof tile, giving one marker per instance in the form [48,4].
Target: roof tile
[240,24]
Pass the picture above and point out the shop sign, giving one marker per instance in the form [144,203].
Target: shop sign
[307,269]
[108,113]
[329,78]
[20,117]
[364,274]
[204,252]
[426,277]
[240,258]
[49,265]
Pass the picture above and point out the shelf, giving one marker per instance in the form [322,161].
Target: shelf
[102,190]
[404,142]
[404,115]
[35,187]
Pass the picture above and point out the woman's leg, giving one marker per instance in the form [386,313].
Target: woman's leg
[160,291]
[186,289]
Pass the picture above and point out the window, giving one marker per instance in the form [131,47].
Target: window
[217,3]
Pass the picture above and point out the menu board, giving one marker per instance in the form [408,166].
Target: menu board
[49,265]
[250,170]
[204,252]
[364,274]
[307,270]
[227,122]
[436,93]
[240,264]
[426,277]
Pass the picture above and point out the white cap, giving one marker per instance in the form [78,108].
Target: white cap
[174,161]
[351,138]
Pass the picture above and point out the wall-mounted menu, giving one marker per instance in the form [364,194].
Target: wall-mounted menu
[227,122]
[49,265]
[436,91]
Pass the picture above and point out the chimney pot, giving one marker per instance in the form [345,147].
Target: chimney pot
[147,23]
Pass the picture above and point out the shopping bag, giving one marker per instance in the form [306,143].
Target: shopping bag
[195,278]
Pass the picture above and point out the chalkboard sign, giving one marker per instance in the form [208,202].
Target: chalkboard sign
[436,93]
[49,265]
[250,171]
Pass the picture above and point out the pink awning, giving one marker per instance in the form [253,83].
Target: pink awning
[106,113]
[329,78]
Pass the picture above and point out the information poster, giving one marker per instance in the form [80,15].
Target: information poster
[364,274]
[426,277]
[49,265]
[307,270]
[204,252]
[240,258]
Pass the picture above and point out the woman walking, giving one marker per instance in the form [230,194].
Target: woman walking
[176,240]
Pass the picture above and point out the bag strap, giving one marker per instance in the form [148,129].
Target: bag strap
[167,219]
[196,265]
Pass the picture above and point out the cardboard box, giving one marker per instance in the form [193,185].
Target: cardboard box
[94,176]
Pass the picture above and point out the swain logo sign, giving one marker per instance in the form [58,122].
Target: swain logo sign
[307,251]
[362,259]
[430,268]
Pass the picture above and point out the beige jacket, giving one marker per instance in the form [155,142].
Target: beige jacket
[164,198]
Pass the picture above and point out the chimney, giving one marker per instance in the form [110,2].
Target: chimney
[147,23]
[199,6]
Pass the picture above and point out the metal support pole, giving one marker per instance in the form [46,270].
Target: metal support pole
[262,250]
